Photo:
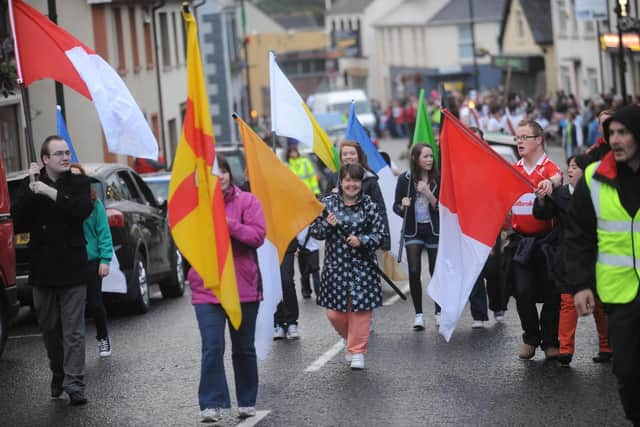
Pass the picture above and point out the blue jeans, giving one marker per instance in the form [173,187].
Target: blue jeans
[213,391]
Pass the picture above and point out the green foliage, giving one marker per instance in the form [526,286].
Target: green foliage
[288,7]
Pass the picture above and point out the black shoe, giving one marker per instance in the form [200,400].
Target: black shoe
[603,357]
[565,359]
[76,398]
[306,295]
[56,386]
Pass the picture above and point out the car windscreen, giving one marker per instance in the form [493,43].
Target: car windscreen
[160,189]
[362,107]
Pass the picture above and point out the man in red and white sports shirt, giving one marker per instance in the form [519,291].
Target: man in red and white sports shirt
[531,281]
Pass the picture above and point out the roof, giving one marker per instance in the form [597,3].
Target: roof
[349,7]
[411,12]
[538,16]
[297,21]
[457,11]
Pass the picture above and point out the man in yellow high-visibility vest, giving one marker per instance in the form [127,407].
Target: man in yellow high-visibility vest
[605,235]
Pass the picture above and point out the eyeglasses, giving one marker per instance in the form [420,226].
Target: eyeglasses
[524,137]
[60,153]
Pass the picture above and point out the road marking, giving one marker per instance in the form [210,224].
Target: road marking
[251,421]
[394,299]
[337,347]
[25,336]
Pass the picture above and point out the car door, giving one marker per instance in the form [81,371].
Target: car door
[155,223]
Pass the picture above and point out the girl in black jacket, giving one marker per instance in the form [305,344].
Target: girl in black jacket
[417,197]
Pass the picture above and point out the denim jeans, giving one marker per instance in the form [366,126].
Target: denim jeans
[213,391]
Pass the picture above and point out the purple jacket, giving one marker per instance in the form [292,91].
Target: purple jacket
[247,229]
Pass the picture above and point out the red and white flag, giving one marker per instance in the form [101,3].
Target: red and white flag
[44,50]
[478,188]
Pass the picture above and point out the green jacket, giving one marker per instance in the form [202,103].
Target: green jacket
[98,235]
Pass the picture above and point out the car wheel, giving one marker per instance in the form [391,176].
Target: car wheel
[173,286]
[3,325]
[140,285]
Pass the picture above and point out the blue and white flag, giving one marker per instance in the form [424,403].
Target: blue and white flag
[386,179]
[62,131]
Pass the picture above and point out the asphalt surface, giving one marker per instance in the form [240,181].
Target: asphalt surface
[412,378]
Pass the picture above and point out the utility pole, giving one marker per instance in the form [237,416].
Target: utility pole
[473,45]
[53,16]
[246,62]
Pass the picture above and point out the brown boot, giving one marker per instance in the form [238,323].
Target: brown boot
[527,351]
[551,353]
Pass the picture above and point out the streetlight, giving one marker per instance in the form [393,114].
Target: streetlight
[622,13]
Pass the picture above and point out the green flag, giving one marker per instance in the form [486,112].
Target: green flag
[423,132]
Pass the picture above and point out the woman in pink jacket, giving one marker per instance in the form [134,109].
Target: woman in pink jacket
[247,229]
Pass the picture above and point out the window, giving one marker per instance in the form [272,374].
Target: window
[127,185]
[561,17]
[175,38]
[520,23]
[149,198]
[117,189]
[9,141]
[117,20]
[574,21]
[589,28]
[173,137]
[133,29]
[592,81]
[465,46]
[164,39]
[148,46]
[565,79]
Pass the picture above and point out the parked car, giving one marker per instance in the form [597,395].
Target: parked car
[140,233]
[504,140]
[340,101]
[9,304]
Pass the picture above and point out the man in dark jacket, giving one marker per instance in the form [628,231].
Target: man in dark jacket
[603,247]
[52,208]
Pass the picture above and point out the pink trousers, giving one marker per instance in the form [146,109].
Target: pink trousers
[353,327]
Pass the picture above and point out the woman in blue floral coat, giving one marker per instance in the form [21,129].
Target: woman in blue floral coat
[350,286]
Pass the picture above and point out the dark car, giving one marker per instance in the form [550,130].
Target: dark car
[9,304]
[140,233]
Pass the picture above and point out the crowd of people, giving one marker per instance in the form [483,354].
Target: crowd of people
[573,247]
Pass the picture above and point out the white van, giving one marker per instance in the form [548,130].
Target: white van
[340,101]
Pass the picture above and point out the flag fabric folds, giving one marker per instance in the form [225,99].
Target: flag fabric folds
[478,188]
[196,205]
[64,133]
[386,179]
[289,206]
[423,132]
[291,117]
[44,50]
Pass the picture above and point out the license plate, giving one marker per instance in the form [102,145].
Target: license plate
[22,238]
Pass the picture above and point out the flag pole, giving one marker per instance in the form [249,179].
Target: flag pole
[24,92]
[367,256]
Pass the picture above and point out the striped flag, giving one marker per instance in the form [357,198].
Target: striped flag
[289,206]
[196,205]
[45,50]
[291,117]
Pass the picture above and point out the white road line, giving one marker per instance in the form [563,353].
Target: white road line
[251,421]
[25,336]
[328,355]
[394,299]
[337,347]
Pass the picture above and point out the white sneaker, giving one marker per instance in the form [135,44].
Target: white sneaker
[357,361]
[104,347]
[499,315]
[278,333]
[438,319]
[477,324]
[246,411]
[292,332]
[347,355]
[418,324]
[211,415]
